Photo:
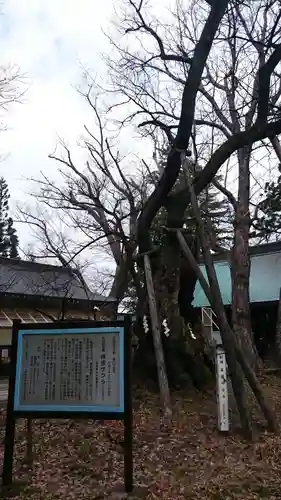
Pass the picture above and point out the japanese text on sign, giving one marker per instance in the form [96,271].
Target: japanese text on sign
[70,369]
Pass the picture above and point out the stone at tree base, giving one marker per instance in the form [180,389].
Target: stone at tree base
[140,491]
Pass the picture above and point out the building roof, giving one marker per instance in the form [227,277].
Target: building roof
[265,276]
[33,279]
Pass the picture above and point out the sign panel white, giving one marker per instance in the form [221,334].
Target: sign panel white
[222,390]
[69,371]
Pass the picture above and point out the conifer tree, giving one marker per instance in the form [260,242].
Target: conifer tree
[8,236]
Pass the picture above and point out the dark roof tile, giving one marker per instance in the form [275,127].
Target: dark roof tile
[19,277]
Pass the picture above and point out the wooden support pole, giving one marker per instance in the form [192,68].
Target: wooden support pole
[29,442]
[156,333]
[141,255]
[128,418]
[7,471]
[278,330]
[277,147]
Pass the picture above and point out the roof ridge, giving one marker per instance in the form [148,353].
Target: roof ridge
[30,263]
[29,278]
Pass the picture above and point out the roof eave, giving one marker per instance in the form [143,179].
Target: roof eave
[31,297]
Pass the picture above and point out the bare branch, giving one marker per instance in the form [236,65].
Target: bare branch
[145,27]
[255,133]
[265,73]
[277,147]
[226,192]
[185,124]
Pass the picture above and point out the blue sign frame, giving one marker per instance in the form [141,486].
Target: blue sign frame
[123,413]
[70,408]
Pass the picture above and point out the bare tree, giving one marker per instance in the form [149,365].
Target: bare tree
[97,205]
[143,74]
[140,78]
[92,207]
[13,86]
[237,98]
[250,38]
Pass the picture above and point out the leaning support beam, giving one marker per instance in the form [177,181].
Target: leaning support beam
[230,342]
[278,329]
[156,332]
[277,146]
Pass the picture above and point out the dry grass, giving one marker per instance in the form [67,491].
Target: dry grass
[187,459]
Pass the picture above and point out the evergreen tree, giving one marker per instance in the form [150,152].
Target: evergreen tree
[215,210]
[267,219]
[4,208]
[8,235]
[13,240]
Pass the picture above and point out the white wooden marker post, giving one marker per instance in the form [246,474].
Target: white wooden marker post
[222,391]
[221,368]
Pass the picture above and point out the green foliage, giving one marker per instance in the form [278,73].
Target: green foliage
[4,207]
[216,214]
[157,228]
[267,221]
[8,236]
[12,239]
[215,208]
[129,303]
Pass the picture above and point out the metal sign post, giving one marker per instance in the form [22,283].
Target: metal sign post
[70,370]
[221,380]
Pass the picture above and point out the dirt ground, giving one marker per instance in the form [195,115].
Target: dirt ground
[187,459]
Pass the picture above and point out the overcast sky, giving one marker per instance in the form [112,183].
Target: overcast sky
[48,40]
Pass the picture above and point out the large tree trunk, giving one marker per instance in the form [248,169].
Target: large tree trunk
[121,279]
[174,283]
[240,263]
[185,364]
[166,281]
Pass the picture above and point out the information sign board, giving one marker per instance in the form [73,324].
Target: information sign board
[70,370]
[77,369]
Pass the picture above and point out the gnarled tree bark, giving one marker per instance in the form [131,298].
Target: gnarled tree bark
[240,263]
